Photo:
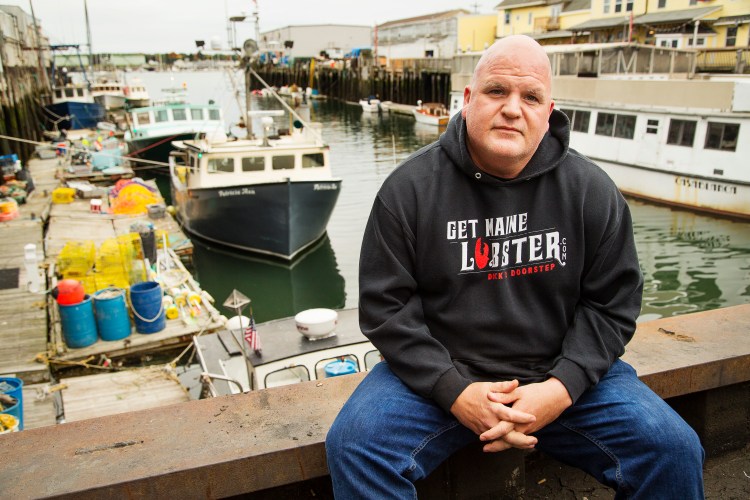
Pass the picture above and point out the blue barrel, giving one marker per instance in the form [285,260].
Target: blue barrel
[148,308]
[340,367]
[111,312]
[78,324]
[16,392]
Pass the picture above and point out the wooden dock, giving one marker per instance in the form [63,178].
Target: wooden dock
[31,340]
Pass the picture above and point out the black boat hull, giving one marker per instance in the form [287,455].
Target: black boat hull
[279,219]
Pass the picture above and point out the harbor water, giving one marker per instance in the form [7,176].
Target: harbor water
[690,262]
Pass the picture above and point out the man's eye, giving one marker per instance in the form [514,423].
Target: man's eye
[532,98]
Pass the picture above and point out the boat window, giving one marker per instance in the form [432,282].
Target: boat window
[58,93]
[579,119]
[143,118]
[652,126]
[681,132]
[722,136]
[283,162]
[160,115]
[613,125]
[625,126]
[253,164]
[69,92]
[213,114]
[80,92]
[312,160]
[179,114]
[286,376]
[339,365]
[605,124]
[372,358]
[220,165]
[196,114]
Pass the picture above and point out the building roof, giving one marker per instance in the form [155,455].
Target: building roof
[507,4]
[548,35]
[574,5]
[428,17]
[601,23]
[675,16]
[729,20]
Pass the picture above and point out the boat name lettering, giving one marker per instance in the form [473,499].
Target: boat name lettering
[325,187]
[705,185]
[235,192]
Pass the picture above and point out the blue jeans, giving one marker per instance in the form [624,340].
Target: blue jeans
[386,437]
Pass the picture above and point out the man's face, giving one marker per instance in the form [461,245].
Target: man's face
[507,110]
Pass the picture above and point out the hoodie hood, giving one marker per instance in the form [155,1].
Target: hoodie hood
[551,151]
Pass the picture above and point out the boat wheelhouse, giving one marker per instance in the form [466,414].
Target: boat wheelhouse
[73,107]
[287,357]
[154,128]
[272,195]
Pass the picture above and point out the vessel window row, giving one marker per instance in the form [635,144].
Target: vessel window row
[720,136]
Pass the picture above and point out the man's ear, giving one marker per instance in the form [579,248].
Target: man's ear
[467,98]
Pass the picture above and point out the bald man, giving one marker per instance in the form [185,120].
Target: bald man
[500,281]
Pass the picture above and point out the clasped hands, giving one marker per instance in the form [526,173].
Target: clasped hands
[485,408]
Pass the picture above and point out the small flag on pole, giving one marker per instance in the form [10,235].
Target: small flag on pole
[252,337]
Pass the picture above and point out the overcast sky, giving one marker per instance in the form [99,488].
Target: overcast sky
[174,25]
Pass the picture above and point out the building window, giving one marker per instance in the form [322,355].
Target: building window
[629,6]
[731,36]
[609,124]
[507,17]
[579,120]
[693,2]
[652,126]
[722,136]
[605,6]
[618,5]
[531,18]
[681,132]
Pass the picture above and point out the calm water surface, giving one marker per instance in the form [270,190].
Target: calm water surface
[690,262]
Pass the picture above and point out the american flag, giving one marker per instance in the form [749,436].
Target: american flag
[252,337]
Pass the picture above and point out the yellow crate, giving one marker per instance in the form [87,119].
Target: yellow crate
[63,195]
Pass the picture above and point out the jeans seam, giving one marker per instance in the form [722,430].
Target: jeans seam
[426,441]
[618,474]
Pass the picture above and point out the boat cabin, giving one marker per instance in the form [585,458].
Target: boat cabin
[159,120]
[286,356]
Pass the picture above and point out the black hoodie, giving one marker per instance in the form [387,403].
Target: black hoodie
[465,277]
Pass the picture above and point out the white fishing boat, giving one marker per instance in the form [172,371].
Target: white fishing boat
[109,91]
[431,113]
[370,105]
[288,352]
[674,141]
[136,94]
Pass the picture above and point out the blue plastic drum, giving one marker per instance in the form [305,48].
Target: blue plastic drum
[340,367]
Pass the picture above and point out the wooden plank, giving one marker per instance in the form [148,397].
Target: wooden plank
[38,411]
[119,392]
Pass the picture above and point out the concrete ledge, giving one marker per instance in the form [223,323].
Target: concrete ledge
[245,443]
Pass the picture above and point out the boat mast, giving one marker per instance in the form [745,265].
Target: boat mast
[88,35]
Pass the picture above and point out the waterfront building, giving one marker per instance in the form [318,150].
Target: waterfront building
[430,36]
[678,24]
[308,41]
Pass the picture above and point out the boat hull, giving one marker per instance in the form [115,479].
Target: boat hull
[705,194]
[436,121]
[278,219]
[81,114]
[110,101]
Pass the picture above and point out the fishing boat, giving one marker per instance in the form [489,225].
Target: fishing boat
[272,194]
[673,141]
[152,129]
[370,105]
[136,95]
[73,107]
[431,113]
[109,91]
[286,352]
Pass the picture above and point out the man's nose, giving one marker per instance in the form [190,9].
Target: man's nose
[512,106]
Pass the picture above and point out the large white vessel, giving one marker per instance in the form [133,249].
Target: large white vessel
[675,141]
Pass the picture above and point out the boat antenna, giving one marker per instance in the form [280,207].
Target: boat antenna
[88,35]
[283,103]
